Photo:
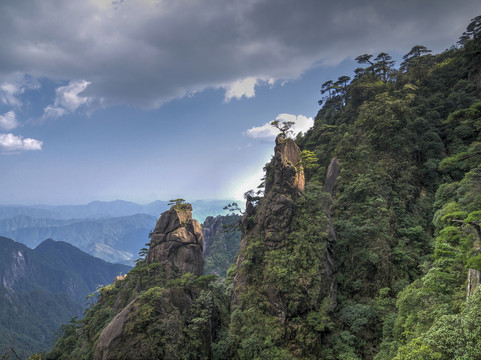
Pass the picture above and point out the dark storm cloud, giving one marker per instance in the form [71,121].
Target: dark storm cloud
[148,52]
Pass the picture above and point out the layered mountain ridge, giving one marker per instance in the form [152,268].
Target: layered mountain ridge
[114,231]
[42,288]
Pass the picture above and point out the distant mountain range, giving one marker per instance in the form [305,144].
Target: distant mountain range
[107,209]
[116,239]
[114,231]
[42,288]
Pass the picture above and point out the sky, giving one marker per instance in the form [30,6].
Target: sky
[159,99]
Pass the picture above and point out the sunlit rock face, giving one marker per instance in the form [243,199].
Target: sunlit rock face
[288,174]
[285,182]
[177,242]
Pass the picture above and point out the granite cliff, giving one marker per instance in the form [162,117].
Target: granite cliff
[285,262]
[177,242]
[164,308]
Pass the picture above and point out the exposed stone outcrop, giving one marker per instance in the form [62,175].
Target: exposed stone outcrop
[132,334]
[177,242]
[285,181]
[272,218]
[109,338]
[333,172]
[288,174]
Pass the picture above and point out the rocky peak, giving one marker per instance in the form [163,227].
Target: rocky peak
[285,181]
[177,242]
[288,174]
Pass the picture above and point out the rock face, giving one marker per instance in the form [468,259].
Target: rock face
[331,177]
[286,269]
[177,242]
[285,181]
[288,175]
[272,218]
[109,338]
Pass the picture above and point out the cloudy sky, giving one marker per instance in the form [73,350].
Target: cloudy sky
[155,99]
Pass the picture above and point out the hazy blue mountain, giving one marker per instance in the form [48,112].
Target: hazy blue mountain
[106,209]
[114,231]
[112,239]
[42,288]
[92,210]
[55,266]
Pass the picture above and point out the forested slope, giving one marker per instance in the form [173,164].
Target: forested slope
[407,205]
[364,243]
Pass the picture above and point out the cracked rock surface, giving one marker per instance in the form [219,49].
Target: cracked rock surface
[177,242]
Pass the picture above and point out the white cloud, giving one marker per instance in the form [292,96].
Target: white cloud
[246,87]
[8,121]
[8,93]
[267,131]
[67,99]
[238,89]
[52,111]
[11,90]
[10,142]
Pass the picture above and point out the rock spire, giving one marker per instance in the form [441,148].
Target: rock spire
[177,242]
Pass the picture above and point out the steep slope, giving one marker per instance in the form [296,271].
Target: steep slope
[87,269]
[284,286]
[162,309]
[365,245]
[403,140]
[43,288]
[29,320]
[402,136]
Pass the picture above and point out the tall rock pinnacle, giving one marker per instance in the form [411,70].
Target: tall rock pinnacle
[285,181]
[177,242]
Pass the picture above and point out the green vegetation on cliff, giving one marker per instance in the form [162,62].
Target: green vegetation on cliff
[407,204]
[404,211]
[365,245]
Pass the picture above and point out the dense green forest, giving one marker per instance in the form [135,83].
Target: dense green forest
[364,244]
